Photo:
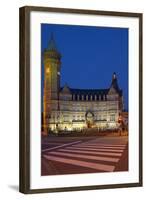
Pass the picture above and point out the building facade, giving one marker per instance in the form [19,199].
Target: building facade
[66,108]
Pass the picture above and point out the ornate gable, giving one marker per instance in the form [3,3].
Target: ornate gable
[65,90]
[112,91]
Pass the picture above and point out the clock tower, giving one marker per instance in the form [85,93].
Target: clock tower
[52,63]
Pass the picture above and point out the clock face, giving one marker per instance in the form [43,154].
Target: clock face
[48,70]
[58,73]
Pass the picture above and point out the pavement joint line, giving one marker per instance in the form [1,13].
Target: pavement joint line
[60,146]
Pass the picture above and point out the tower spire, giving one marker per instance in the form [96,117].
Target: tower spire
[52,44]
[114,83]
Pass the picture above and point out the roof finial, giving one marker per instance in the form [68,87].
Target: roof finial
[114,75]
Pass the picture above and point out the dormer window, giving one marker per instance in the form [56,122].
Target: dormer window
[95,97]
[78,97]
[99,97]
[82,97]
[86,97]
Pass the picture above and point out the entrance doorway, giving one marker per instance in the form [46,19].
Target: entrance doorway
[89,125]
[89,119]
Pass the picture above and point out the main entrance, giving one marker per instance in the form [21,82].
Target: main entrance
[89,119]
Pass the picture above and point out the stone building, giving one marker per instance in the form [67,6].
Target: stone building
[66,108]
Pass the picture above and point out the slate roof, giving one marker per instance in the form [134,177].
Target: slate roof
[89,91]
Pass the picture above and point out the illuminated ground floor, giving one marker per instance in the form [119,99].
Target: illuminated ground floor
[82,125]
[76,121]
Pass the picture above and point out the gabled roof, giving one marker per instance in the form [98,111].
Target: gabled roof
[65,89]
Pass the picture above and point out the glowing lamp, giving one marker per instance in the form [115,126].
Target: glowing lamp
[47,70]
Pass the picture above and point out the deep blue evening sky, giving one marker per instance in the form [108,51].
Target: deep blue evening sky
[90,55]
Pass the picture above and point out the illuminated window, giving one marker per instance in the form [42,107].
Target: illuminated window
[112,118]
[104,117]
[99,117]
[83,118]
[74,117]
[66,118]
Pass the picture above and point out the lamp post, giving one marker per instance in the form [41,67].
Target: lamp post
[120,122]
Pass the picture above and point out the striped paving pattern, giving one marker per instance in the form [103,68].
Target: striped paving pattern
[92,155]
[97,149]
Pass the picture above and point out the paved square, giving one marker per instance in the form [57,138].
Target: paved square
[73,155]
